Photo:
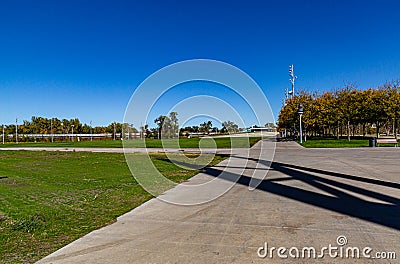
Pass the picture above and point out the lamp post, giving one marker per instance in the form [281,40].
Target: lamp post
[72,133]
[300,112]
[51,130]
[16,130]
[91,131]
[292,79]
[62,130]
[114,131]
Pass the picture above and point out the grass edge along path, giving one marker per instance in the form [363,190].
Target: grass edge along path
[338,143]
[221,142]
[49,199]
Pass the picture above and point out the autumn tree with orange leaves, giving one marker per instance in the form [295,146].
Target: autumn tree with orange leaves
[345,111]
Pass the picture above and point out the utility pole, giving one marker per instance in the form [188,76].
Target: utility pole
[290,93]
[292,78]
[91,131]
[286,94]
[114,131]
[62,130]
[51,130]
[16,130]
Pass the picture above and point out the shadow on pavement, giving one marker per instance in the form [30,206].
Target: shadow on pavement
[342,202]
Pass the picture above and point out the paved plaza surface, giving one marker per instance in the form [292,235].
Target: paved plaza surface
[309,198]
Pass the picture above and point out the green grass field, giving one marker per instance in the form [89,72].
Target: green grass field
[336,143]
[240,142]
[358,142]
[49,199]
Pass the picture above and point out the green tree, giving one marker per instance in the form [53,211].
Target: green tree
[230,127]
[347,99]
[205,127]
[173,123]
[160,121]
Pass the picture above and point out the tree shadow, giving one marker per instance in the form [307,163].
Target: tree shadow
[187,165]
[386,212]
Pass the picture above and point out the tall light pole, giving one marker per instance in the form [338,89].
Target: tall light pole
[16,130]
[72,133]
[115,131]
[51,130]
[62,130]
[91,131]
[286,96]
[292,78]
[300,112]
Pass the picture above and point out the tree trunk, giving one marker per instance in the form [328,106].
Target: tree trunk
[341,130]
[363,128]
[388,128]
[305,134]
[348,130]
[393,128]
[337,130]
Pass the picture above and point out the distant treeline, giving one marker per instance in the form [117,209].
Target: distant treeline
[166,126]
[347,111]
[42,125]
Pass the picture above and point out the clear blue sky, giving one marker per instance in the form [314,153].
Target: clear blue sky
[84,59]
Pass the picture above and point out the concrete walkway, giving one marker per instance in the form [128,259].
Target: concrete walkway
[309,198]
